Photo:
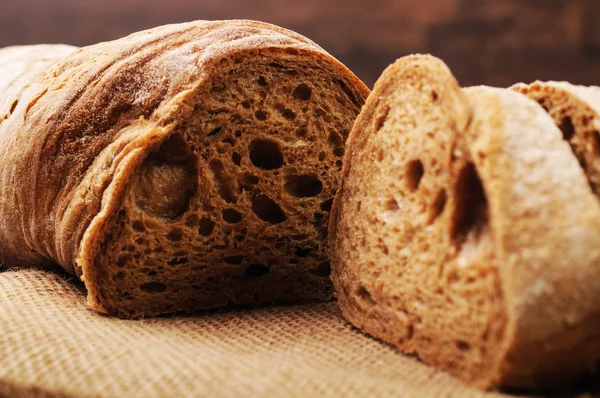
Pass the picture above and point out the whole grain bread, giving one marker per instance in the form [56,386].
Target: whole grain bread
[465,231]
[179,168]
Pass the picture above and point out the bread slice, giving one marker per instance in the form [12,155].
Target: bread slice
[465,231]
[181,168]
[576,111]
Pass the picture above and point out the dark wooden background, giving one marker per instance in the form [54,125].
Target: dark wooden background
[494,42]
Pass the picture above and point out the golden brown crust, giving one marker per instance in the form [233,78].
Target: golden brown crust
[93,117]
[538,253]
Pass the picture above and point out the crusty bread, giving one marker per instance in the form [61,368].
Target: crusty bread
[576,111]
[180,168]
[465,231]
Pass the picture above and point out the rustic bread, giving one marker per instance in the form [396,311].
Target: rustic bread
[465,231]
[179,168]
[576,111]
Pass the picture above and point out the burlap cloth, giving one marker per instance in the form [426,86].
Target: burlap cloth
[52,345]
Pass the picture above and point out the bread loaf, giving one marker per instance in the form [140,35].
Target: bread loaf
[465,232]
[575,110]
[179,168]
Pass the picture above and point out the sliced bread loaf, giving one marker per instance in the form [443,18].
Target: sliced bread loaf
[180,168]
[465,231]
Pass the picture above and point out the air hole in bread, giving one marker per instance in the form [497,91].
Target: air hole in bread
[414,173]
[322,156]
[434,95]
[13,106]
[120,275]
[301,132]
[223,183]
[339,152]
[236,158]
[542,102]
[246,104]
[177,261]
[567,128]
[470,204]
[214,131]
[317,219]
[154,287]
[381,117]
[364,295]
[167,181]
[391,205]
[301,251]
[261,81]
[438,205]
[138,226]
[152,273]
[206,226]
[267,209]
[463,345]
[379,156]
[234,259]
[266,154]
[229,140]
[261,115]
[256,270]
[335,140]
[231,216]
[285,112]
[123,260]
[302,92]
[304,186]
[326,205]
[175,235]
[323,270]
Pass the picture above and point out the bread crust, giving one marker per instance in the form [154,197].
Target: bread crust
[85,122]
[542,253]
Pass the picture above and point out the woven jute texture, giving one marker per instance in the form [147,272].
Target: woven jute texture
[52,345]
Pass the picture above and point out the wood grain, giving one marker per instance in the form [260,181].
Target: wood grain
[496,42]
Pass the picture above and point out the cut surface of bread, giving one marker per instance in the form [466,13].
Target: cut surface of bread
[182,168]
[465,231]
[576,111]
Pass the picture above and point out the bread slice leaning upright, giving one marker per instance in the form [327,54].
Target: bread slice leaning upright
[465,231]
[179,168]
[576,111]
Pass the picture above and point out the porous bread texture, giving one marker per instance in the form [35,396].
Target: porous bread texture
[180,168]
[465,231]
[575,110]
[234,206]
